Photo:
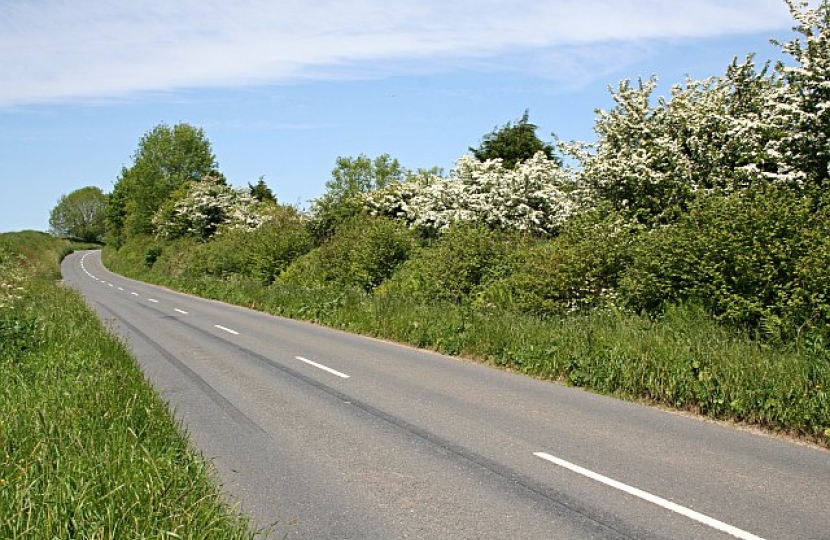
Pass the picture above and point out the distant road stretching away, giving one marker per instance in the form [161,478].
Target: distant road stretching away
[346,437]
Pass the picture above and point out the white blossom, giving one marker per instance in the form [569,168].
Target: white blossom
[799,109]
[207,206]
[534,197]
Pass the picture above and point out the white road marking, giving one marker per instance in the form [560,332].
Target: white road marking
[177,310]
[228,330]
[153,300]
[110,284]
[120,288]
[134,293]
[654,499]
[321,366]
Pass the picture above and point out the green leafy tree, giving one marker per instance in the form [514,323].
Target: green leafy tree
[261,192]
[167,158]
[350,180]
[80,214]
[513,143]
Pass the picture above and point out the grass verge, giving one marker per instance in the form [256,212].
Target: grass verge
[87,449]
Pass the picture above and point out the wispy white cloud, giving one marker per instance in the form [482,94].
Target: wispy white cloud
[52,50]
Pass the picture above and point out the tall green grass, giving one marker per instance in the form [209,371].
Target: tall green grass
[87,449]
[682,359]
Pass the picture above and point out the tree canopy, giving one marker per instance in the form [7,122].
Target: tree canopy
[200,209]
[350,179]
[167,158]
[513,143]
[80,215]
[261,192]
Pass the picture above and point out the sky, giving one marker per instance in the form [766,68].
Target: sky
[282,88]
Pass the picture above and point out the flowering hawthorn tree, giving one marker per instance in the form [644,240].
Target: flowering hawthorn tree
[535,196]
[206,206]
[800,108]
[707,136]
[718,135]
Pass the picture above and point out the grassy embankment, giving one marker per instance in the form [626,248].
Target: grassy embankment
[683,359]
[87,449]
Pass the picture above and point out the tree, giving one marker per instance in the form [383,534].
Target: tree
[535,196]
[262,192]
[80,215]
[513,143]
[200,209]
[167,158]
[652,159]
[350,180]
[800,109]
[353,176]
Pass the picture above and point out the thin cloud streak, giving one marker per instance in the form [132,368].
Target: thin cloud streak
[57,50]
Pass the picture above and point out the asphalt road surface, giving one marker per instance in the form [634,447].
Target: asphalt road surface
[338,436]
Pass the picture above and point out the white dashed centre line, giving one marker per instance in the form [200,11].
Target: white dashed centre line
[228,330]
[120,288]
[177,310]
[153,300]
[134,293]
[321,366]
[654,499]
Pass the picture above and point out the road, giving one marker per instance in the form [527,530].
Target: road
[340,436]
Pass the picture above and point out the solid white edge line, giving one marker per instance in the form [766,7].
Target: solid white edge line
[654,499]
[228,330]
[177,310]
[321,366]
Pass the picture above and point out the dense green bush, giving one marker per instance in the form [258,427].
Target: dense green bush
[745,257]
[261,253]
[811,299]
[276,244]
[578,269]
[463,258]
[363,253]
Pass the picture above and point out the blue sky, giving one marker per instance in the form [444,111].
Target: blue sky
[282,88]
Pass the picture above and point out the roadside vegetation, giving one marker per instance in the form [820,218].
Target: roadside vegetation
[87,449]
[681,259]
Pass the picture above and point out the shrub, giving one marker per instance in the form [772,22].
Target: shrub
[152,255]
[578,269]
[467,255]
[200,208]
[738,255]
[363,253]
[535,196]
[275,245]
